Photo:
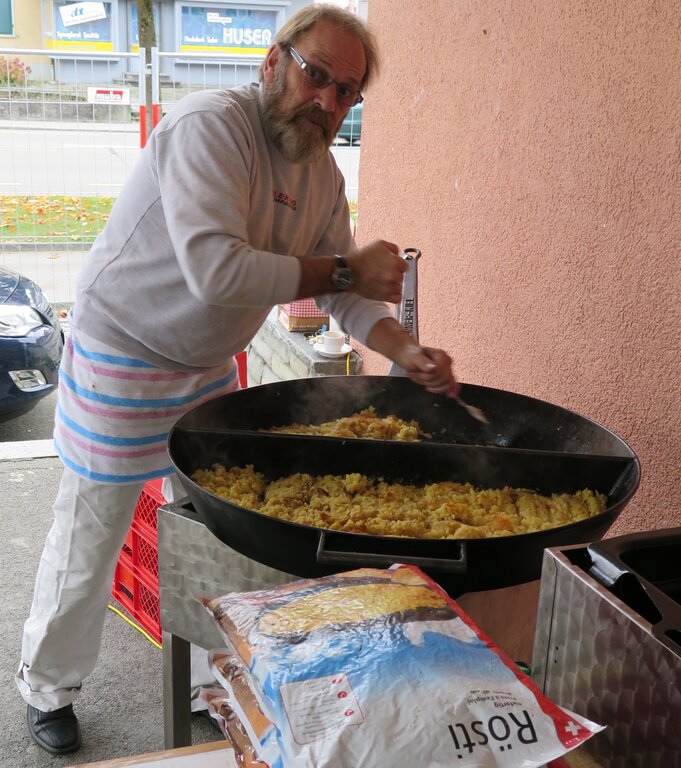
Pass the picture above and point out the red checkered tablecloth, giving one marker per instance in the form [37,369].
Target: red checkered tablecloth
[303,308]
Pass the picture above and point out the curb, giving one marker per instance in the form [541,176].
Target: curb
[27,449]
[66,246]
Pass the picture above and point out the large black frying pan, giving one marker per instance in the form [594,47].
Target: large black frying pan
[528,443]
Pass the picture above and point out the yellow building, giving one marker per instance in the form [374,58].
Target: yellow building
[21,27]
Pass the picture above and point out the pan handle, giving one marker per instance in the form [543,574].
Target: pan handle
[335,557]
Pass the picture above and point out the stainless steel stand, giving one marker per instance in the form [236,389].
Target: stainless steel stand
[193,562]
[596,655]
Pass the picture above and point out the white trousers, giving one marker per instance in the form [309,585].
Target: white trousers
[63,633]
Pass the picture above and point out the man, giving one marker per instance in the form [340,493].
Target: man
[235,205]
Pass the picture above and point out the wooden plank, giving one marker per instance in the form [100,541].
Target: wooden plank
[185,757]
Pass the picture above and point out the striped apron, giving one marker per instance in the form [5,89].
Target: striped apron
[114,412]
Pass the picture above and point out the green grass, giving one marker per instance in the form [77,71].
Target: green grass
[353,211]
[26,218]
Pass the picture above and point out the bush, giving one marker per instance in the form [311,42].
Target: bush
[13,71]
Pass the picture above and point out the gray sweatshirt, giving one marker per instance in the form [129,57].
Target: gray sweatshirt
[199,244]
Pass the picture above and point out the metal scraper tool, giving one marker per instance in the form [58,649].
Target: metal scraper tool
[406,312]
[406,315]
[476,413]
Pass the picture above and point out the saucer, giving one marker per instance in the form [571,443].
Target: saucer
[343,352]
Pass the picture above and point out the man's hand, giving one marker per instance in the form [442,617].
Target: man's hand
[378,270]
[431,368]
[427,366]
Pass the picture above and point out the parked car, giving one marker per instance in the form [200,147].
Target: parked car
[351,127]
[31,343]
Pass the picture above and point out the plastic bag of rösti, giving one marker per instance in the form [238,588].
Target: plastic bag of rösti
[235,681]
[380,667]
[220,709]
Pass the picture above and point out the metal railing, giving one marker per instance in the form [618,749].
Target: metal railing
[71,132]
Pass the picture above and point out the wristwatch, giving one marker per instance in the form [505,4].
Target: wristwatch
[341,277]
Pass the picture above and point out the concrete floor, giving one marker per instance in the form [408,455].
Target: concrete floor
[120,709]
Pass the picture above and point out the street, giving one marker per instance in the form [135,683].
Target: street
[34,425]
[77,159]
[89,159]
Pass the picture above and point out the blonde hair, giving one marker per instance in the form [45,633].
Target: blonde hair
[308,16]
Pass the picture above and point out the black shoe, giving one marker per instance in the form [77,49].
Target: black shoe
[58,732]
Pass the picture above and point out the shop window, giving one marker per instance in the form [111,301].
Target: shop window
[6,21]
[72,32]
[133,36]
[220,29]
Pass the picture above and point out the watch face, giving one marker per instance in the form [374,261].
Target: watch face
[341,277]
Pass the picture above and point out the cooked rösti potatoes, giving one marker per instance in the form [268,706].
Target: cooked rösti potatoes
[364,424]
[360,504]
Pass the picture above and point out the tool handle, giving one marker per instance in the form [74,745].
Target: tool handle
[406,312]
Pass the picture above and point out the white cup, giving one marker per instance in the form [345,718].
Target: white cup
[332,341]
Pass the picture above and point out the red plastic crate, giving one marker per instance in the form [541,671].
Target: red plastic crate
[141,549]
[149,501]
[139,598]
[135,584]
[242,368]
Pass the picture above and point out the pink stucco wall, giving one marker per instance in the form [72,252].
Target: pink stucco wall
[532,151]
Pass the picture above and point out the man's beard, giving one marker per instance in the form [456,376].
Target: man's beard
[298,139]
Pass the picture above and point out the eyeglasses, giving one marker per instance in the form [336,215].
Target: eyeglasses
[316,77]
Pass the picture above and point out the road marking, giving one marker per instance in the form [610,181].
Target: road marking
[131,147]
[27,449]
[98,146]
